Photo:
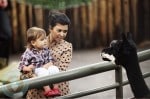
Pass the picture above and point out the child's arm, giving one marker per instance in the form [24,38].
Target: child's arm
[49,59]
[25,61]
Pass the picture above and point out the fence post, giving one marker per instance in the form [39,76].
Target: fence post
[118,76]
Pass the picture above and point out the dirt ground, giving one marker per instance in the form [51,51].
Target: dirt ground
[83,58]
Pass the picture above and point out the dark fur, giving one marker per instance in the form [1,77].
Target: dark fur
[125,54]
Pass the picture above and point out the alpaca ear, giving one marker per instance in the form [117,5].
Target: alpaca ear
[129,36]
[124,37]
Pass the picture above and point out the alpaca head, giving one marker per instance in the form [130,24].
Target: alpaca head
[120,51]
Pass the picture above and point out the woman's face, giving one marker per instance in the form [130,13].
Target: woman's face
[59,31]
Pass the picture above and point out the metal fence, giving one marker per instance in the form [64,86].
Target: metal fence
[72,74]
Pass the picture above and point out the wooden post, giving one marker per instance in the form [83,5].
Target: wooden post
[147,20]
[14,25]
[133,17]
[110,25]
[126,15]
[30,15]
[95,34]
[38,16]
[102,21]
[83,22]
[140,14]
[22,27]
[77,40]
[117,18]
[90,22]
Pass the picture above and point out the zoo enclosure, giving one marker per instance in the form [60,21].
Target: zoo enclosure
[78,73]
[93,25]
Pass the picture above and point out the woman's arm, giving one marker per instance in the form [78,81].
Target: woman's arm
[65,58]
[47,65]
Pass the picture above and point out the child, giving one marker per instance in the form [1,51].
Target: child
[37,58]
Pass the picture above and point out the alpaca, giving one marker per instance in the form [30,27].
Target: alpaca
[123,52]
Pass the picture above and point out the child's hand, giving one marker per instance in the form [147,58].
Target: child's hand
[28,68]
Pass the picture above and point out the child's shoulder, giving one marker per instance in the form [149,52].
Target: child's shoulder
[46,49]
[28,51]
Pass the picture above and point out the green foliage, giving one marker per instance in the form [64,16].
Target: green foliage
[57,4]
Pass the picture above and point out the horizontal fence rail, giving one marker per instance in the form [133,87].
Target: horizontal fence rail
[88,92]
[71,75]
[97,90]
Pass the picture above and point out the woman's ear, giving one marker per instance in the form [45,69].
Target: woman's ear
[50,29]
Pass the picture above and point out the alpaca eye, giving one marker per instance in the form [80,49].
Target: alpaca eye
[113,43]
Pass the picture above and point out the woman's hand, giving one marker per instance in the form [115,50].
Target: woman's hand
[47,65]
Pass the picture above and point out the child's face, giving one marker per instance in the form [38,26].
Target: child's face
[59,31]
[40,43]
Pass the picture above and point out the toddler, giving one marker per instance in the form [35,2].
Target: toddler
[37,58]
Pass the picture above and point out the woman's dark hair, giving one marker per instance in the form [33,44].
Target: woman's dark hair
[56,17]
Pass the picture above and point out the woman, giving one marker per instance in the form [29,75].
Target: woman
[61,50]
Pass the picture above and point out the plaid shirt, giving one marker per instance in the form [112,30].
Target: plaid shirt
[34,57]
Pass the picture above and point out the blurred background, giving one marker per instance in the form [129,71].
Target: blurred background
[94,22]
